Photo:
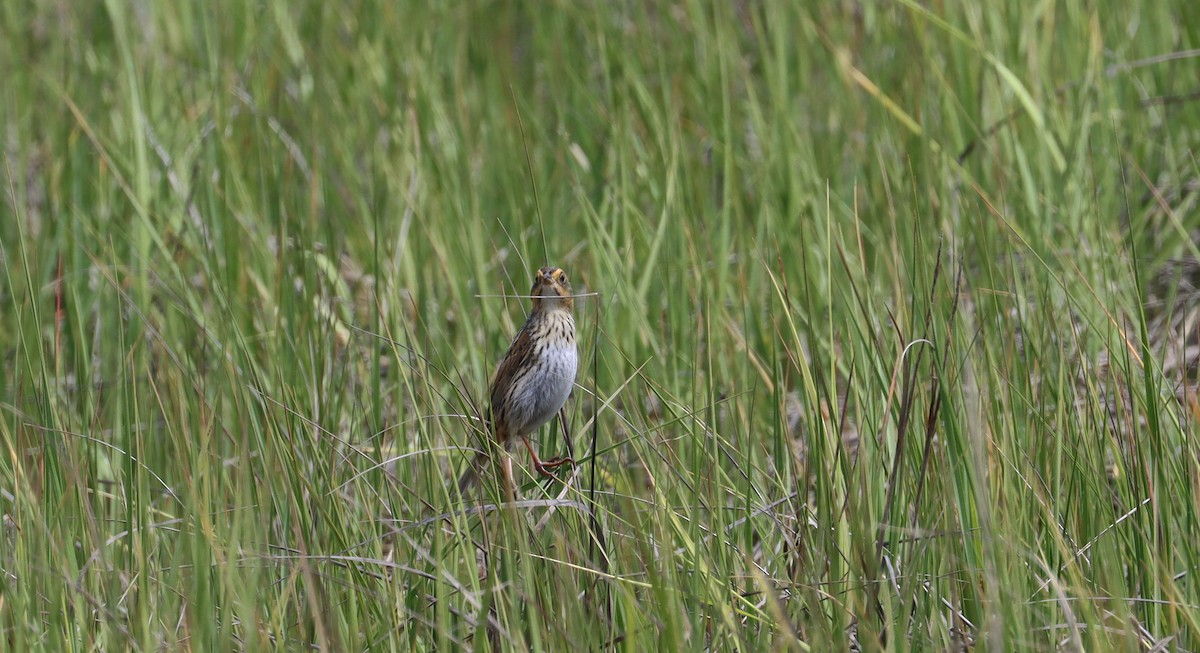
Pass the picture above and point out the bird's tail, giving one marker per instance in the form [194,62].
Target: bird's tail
[471,475]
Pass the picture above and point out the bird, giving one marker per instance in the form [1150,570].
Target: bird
[534,379]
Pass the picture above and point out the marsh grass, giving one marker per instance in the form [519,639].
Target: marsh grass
[887,348]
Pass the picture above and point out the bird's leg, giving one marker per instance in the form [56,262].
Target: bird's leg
[544,467]
[570,457]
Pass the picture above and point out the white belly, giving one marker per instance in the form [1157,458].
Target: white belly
[544,394]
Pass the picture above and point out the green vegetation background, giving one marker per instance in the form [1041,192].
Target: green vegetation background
[887,347]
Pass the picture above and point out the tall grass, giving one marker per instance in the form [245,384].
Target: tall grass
[887,346]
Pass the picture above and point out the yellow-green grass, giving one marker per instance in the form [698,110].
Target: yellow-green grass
[866,362]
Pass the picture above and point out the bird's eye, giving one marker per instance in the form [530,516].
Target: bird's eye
[562,277]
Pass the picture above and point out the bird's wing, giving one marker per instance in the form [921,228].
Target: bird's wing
[508,374]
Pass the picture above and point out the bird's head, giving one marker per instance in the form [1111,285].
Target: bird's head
[551,290]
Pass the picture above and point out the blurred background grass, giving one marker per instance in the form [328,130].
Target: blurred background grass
[891,345]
